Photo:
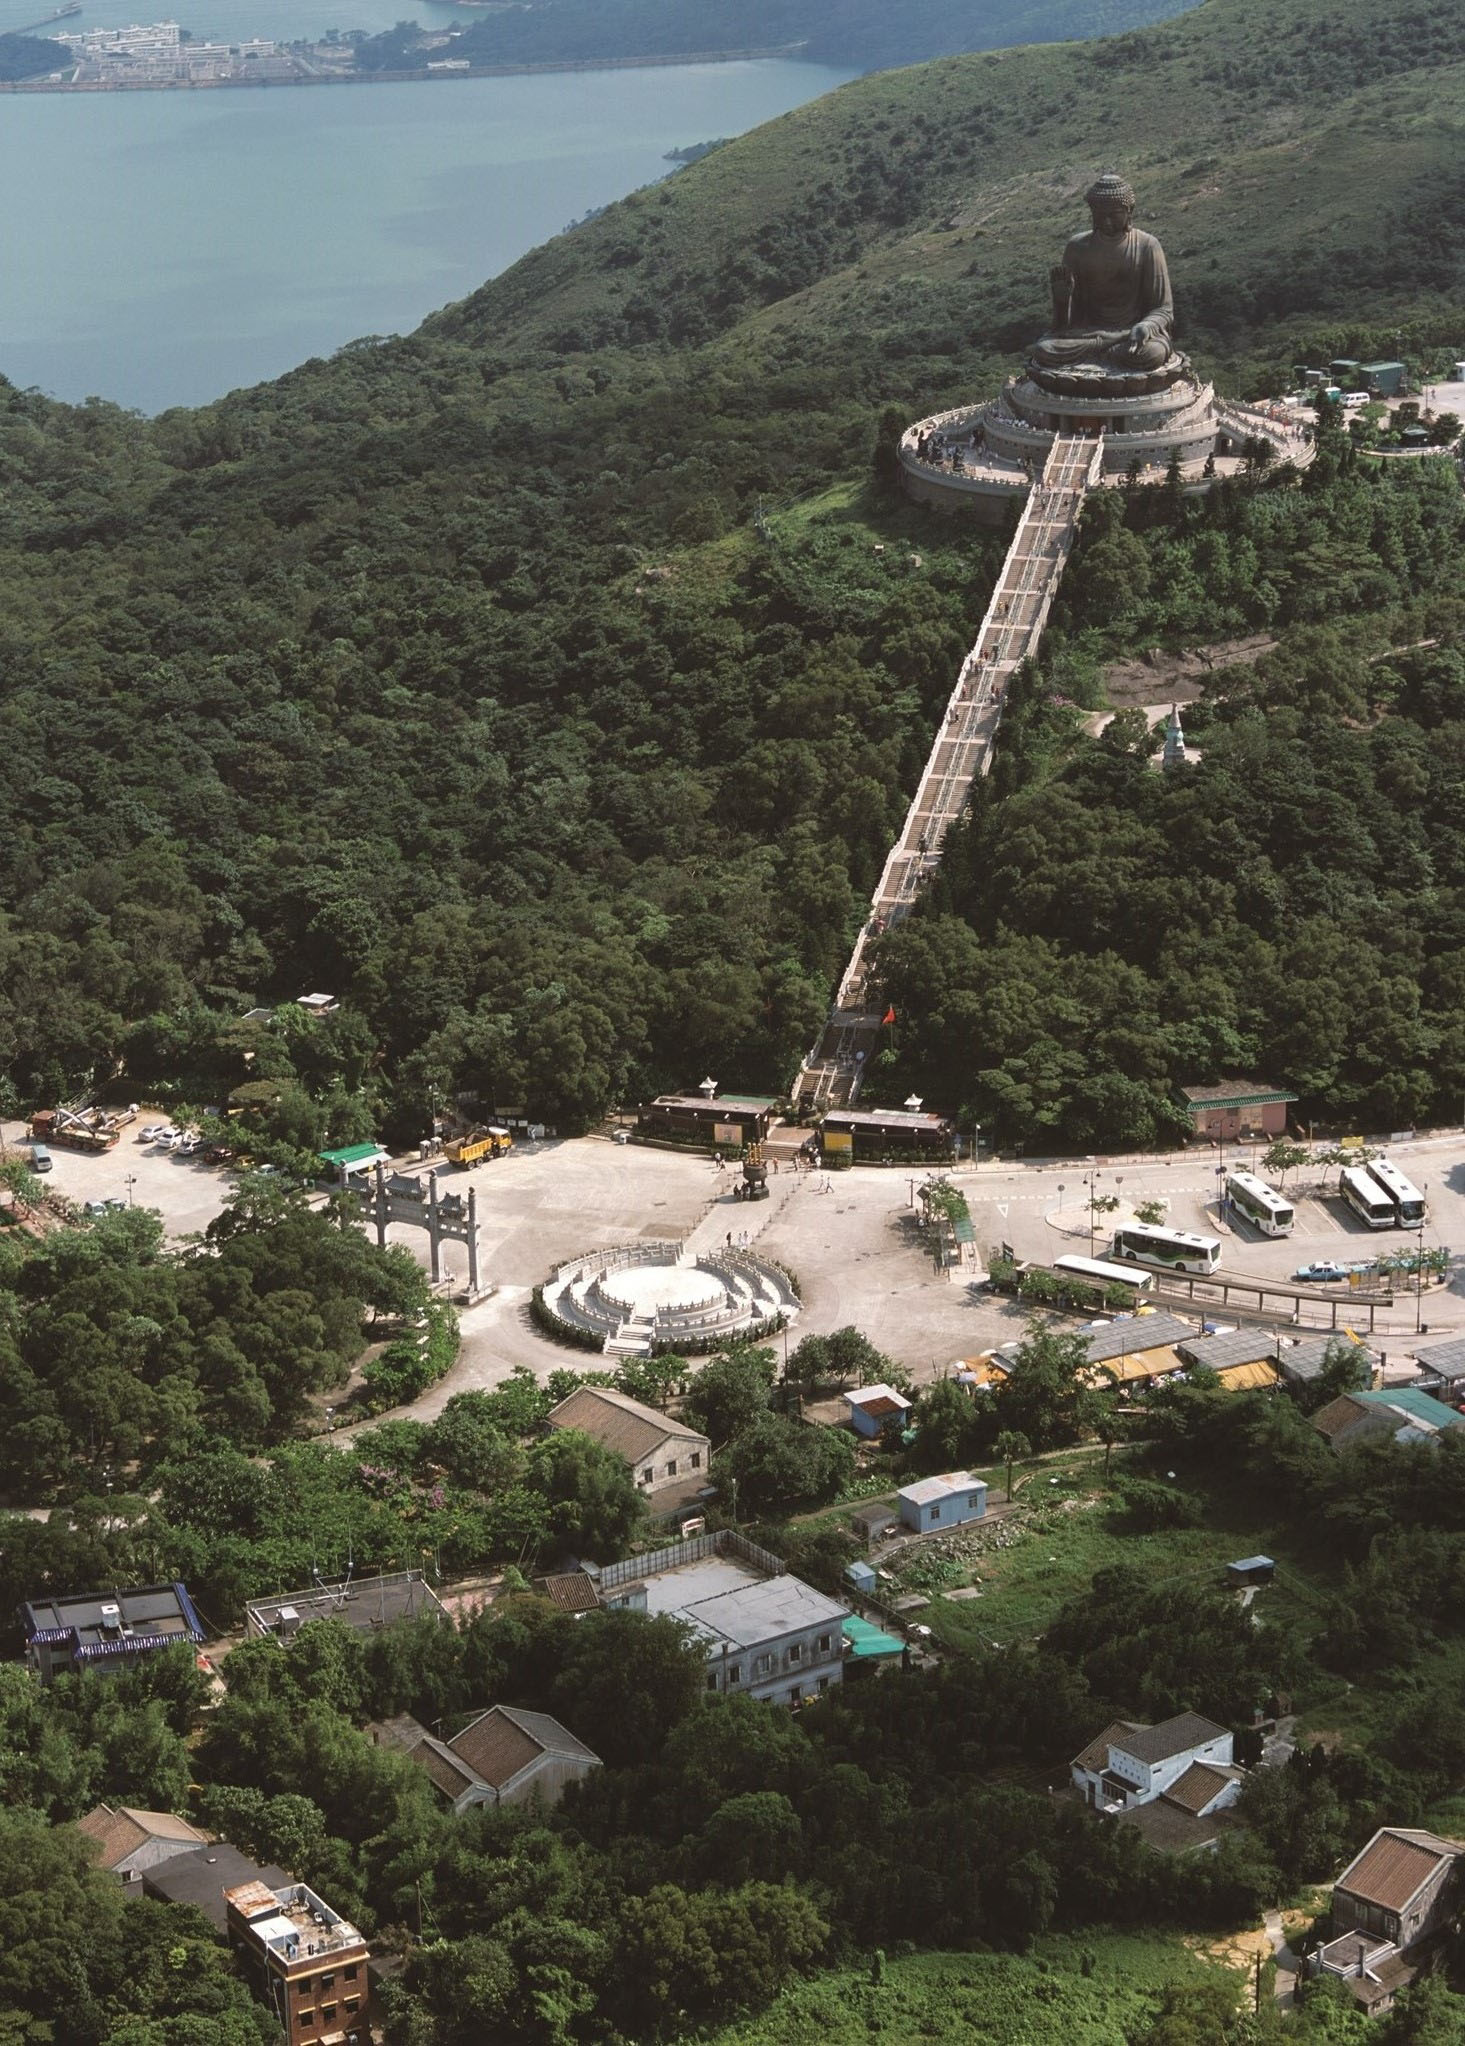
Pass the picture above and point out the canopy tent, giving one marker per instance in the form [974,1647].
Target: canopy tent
[867,1640]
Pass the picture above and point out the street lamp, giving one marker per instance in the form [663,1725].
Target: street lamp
[130,1182]
[1419,1275]
[1090,1183]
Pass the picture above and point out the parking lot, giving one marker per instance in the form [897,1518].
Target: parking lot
[186,1192]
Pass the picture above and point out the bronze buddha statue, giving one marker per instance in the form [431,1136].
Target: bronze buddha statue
[1113,314]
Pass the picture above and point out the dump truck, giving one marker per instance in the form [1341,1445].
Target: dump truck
[478,1145]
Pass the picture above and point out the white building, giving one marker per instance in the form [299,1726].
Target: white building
[768,1634]
[1174,1776]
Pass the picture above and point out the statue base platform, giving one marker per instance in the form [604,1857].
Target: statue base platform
[984,457]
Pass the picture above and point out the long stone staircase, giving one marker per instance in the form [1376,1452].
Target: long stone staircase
[962,751]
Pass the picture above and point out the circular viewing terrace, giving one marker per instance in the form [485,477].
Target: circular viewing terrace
[653,1296]
[989,454]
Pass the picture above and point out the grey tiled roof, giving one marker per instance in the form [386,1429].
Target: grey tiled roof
[1133,1337]
[1130,1337]
[1445,1360]
[1237,1346]
[1170,1737]
[1301,1362]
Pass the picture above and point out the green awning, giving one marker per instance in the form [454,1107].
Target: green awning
[353,1154]
[865,1639]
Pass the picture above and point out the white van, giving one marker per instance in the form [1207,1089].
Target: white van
[40,1158]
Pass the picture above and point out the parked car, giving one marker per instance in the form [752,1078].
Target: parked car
[41,1159]
[167,1136]
[1320,1274]
[95,1208]
[219,1154]
[152,1133]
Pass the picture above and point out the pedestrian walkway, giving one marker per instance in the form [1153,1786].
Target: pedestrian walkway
[744,1221]
[961,751]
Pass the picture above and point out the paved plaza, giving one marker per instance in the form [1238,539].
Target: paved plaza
[851,1238]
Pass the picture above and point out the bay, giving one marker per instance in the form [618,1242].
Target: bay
[162,248]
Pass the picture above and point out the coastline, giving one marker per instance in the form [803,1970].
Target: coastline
[106,86]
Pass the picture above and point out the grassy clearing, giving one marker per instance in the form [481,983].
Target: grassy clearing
[1077,1529]
[1038,1999]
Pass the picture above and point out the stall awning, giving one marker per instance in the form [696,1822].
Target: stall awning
[865,1639]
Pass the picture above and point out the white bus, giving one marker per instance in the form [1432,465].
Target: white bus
[1409,1206]
[1261,1204]
[1102,1274]
[1171,1250]
[1367,1198]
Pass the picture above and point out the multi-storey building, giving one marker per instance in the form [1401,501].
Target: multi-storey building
[768,1634]
[303,1960]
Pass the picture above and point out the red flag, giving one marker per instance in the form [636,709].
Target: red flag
[889,1016]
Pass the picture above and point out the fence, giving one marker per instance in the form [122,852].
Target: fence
[696,1549]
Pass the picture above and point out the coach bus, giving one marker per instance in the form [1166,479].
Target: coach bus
[1261,1204]
[1102,1274]
[1409,1208]
[1367,1198]
[1170,1250]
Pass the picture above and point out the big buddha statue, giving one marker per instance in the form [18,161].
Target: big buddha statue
[1113,315]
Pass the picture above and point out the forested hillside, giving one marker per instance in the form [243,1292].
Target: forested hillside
[547,684]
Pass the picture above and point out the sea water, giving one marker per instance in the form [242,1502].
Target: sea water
[161,248]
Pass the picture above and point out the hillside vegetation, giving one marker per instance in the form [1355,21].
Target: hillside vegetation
[534,682]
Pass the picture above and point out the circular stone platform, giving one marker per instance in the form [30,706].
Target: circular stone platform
[988,455]
[657,1296]
[661,1289]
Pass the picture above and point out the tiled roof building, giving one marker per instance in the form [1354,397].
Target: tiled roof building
[504,1756]
[664,1455]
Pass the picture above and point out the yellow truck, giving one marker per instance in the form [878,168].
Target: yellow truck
[477,1146]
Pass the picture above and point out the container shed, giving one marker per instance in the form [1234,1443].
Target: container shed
[1382,379]
[862,1576]
[874,1407]
[1251,1570]
[943,1502]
